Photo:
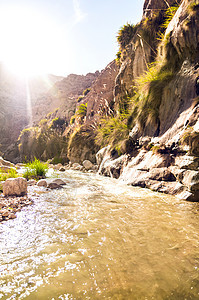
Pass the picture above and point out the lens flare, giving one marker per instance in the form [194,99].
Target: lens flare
[30,41]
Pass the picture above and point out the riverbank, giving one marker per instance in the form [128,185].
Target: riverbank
[147,170]
[9,206]
[164,171]
[97,238]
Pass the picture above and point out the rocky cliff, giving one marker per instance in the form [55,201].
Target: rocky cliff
[164,132]
[16,96]
[25,103]
[143,107]
[62,96]
[99,103]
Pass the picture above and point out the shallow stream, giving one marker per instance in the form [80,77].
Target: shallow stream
[99,239]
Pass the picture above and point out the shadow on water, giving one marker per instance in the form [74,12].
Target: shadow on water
[99,239]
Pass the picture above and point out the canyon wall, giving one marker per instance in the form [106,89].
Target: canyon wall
[164,152]
[143,107]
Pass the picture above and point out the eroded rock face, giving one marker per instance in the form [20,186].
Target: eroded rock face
[6,163]
[158,172]
[63,95]
[15,187]
[54,95]
[150,6]
[13,101]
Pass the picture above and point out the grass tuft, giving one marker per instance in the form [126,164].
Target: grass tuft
[169,14]
[112,131]
[35,170]
[12,173]
[148,95]
[82,110]
[126,34]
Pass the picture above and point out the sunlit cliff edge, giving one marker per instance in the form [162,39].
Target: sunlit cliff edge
[139,114]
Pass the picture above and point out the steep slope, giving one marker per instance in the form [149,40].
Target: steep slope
[51,115]
[98,103]
[144,107]
[15,107]
[163,113]
[25,103]
[62,96]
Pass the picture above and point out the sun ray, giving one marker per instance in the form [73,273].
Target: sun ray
[31,43]
[28,102]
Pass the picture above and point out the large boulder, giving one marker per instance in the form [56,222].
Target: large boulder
[15,187]
[189,196]
[62,169]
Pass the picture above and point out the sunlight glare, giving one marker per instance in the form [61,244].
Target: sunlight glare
[30,42]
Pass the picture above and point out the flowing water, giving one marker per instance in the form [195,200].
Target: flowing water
[99,239]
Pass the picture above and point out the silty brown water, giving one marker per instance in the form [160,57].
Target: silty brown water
[99,239]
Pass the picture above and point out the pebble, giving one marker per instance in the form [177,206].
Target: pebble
[10,205]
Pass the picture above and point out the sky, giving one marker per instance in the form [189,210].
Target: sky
[63,36]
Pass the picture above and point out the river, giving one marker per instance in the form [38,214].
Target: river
[99,239]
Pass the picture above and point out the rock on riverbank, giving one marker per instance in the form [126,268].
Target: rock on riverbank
[10,206]
[170,173]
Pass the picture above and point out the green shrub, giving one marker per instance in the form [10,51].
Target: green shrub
[148,95]
[82,110]
[12,173]
[125,35]
[43,122]
[193,7]
[58,123]
[35,169]
[112,131]
[187,135]
[118,57]
[72,120]
[80,98]
[169,14]
[86,91]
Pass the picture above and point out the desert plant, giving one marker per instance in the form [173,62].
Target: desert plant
[118,57]
[125,35]
[193,6]
[82,110]
[169,14]
[12,173]
[72,120]
[86,91]
[43,122]
[58,123]
[35,169]
[80,98]
[112,131]
[148,96]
